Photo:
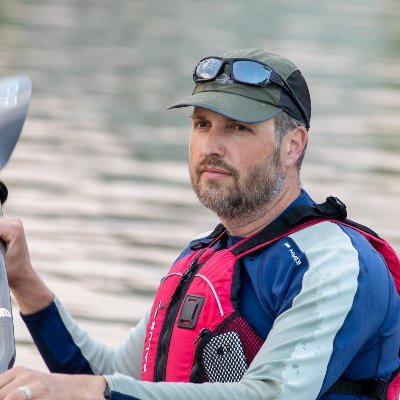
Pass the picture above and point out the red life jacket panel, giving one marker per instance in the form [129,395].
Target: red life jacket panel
[195,300]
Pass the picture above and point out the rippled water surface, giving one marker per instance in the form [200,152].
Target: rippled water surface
[99,176]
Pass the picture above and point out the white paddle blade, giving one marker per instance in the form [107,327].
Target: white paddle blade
[15,94]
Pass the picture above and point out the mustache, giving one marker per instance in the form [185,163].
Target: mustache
[217,162]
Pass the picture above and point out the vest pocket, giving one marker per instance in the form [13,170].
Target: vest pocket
[224,354]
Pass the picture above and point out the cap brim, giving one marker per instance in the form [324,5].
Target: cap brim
[231,105]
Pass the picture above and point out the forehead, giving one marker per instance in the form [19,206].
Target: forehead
[199,112]
[205,112]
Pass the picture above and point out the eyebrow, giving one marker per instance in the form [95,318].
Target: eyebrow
[202,116]
[196,115]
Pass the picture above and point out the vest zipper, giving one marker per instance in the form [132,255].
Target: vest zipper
[204,337]
[168,324]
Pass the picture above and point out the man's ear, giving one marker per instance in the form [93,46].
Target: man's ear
[294,143]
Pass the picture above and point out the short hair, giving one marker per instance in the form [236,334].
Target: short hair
[283,124]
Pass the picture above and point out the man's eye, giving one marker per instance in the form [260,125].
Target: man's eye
[240,128]
[200,124]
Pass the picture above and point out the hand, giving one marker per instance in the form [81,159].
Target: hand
[30,291]
[17,255]
[46,386]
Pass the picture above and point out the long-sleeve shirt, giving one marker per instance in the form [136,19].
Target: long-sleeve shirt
[322,298]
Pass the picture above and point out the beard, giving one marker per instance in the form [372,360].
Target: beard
[249,192]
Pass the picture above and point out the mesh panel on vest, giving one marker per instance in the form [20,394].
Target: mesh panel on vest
[225,354]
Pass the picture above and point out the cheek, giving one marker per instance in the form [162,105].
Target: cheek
[250,156]
[191,145]
[194,148]
[193,154]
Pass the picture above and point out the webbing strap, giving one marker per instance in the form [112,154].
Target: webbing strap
[217,233]
[333,208]
[374,388]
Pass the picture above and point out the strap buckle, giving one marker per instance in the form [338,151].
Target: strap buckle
[333,208]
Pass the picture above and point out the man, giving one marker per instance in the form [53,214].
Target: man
[248,315]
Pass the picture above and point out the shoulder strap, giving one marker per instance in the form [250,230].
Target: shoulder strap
[205,242]
[333,208]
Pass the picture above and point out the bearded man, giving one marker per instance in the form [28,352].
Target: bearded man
[285,299]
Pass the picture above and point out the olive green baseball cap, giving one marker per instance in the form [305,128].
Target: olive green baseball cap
[250,103]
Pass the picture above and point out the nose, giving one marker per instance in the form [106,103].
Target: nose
[213,143]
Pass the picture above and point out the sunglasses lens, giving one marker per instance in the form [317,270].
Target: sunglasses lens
[208,68]
[250,72]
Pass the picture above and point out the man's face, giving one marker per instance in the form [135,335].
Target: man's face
[234,167]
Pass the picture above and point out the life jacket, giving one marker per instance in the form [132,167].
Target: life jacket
[195,332]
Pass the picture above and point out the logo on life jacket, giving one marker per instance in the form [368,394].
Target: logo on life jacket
[292,253]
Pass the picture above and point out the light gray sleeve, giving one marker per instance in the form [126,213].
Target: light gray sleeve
[125,359]
[246,389]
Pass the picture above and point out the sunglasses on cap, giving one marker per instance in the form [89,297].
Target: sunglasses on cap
[248,72]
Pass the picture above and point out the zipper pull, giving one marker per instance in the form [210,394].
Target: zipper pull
[191,267]
[202,333]
[185,276]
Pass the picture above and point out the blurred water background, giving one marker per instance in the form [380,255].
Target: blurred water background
[99,176]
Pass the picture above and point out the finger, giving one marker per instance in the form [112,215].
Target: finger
[17,394]
[12,380]
[10,229]
[5,379]
[26,392]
